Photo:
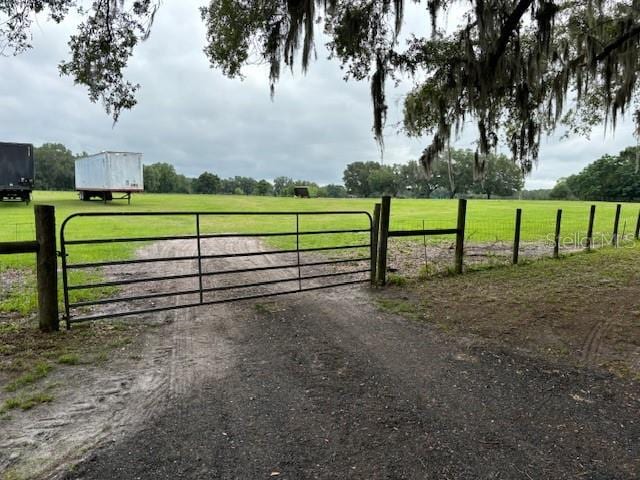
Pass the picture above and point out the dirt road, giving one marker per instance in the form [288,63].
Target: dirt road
[325,385]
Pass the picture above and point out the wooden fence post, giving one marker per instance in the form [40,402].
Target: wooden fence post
[556,239]
[375,230]
[460,228]
[616,226]
[47,268]
[592,216]
[638,227]
[385,212]
[516,237]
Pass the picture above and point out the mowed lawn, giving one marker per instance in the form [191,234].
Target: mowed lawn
[487,220]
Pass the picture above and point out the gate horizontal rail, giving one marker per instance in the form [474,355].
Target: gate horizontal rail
[200,273]
[205,257]
[208,274]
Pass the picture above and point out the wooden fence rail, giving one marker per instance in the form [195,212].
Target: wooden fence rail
[385,234]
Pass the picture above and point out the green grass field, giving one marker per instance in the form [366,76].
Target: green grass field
[487,220]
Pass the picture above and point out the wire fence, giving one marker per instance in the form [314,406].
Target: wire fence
[490,241]
[16,232]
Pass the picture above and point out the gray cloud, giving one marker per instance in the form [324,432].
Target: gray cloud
[198,120]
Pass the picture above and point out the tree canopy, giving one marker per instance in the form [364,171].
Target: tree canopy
[610,178]
[453,175]
[517,68]
[54,167]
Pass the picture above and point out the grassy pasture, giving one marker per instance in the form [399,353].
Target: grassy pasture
[487,221]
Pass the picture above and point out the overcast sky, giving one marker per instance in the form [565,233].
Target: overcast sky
[196,119]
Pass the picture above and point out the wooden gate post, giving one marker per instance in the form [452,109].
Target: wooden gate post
[375,230]
[47,268]
[592,216]
[516,237]
[556,239]
[462,220]
[616,226]
[638,227]
[385,212]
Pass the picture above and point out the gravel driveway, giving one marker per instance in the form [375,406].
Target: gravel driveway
[324,385]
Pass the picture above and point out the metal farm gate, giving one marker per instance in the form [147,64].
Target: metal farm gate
[204,266]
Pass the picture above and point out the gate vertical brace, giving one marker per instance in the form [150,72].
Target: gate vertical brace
[199,258]
[383,239]
[375,230]
[298,251]
[65,279]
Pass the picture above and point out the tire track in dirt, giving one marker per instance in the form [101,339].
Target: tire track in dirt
[98,404]
[182,349]
[594,339]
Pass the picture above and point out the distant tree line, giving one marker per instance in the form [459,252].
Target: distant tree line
[54,165]
[610,178]
[451,176]
[55,171]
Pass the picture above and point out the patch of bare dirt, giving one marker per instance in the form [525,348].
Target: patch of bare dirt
[326,385]
[584,308]
[95,404]
[413,259]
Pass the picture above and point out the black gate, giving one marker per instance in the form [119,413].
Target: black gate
[204,266]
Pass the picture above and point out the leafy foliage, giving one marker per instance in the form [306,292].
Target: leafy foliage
[610,178]
[163,178]
[452,175]
[510,66]
[54,166]
[206,183]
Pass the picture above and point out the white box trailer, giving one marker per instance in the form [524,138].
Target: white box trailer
[103,174]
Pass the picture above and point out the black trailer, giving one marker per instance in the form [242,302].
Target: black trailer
[16,171]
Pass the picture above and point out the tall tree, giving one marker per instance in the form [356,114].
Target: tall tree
[283,186]
[54,167]
[206,183]
[162,178]
[414,180]
[612,178]
[263,187]
[335,191]
[356,177]
[511,65]
[454,172]
[500,177]
[383,181]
